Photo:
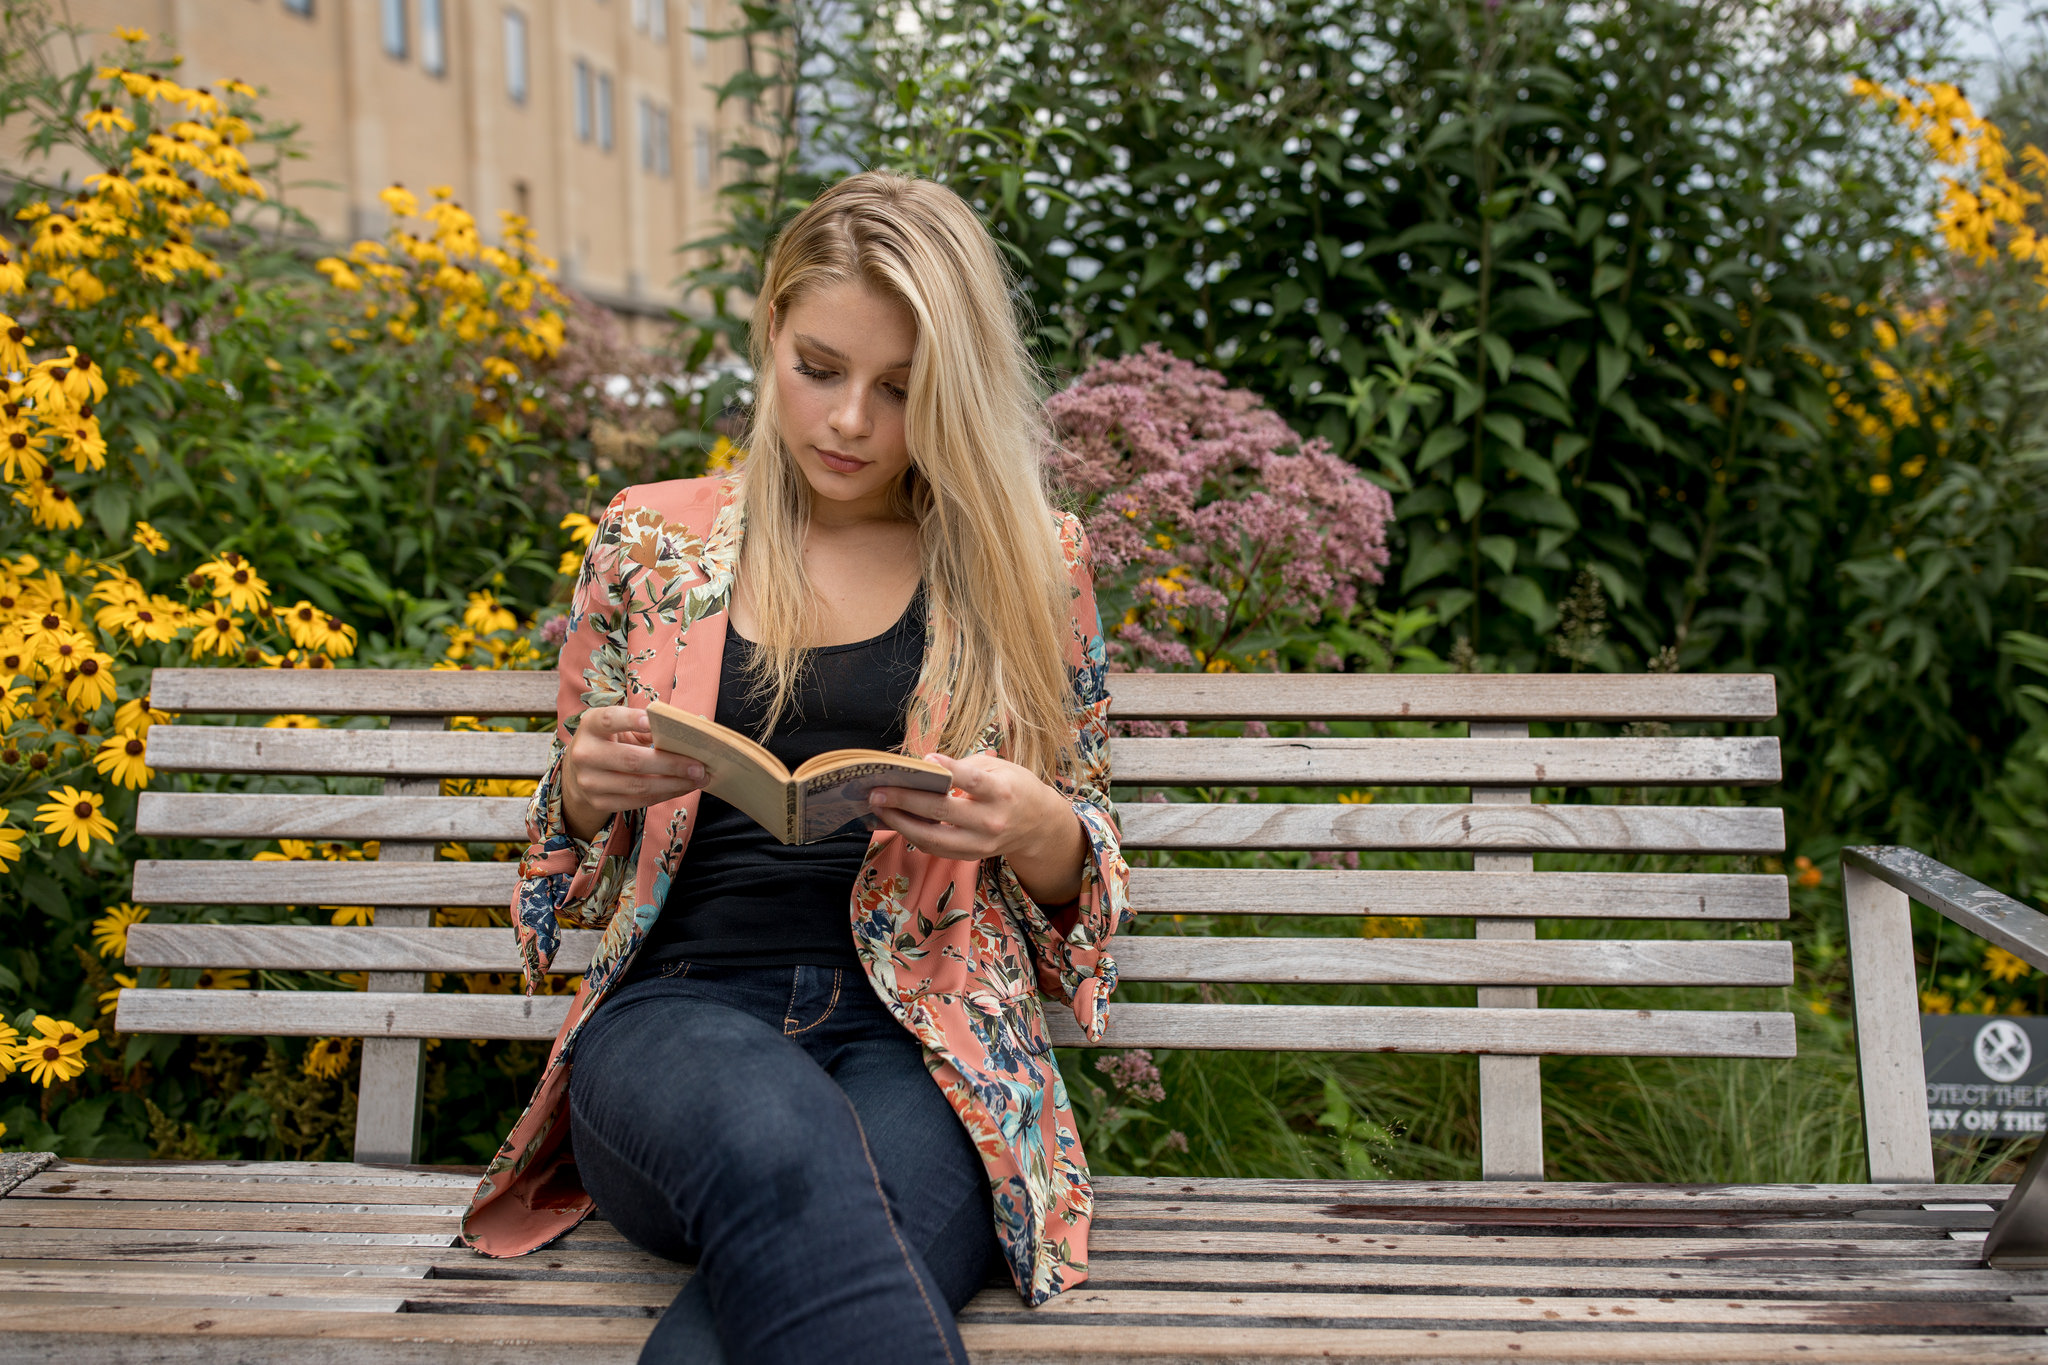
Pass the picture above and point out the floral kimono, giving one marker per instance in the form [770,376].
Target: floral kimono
[957,950]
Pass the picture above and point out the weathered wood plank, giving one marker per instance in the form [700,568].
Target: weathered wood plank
[1475,762]
[1554,1194]
[1992,915]
[1154,891]
[205,1336]
[1882,976]
[138,1285]
[992,1344]
[1458,1310]
[1134,696]
[1314,1028]
[324,1172]
[198,1296]
[348,753]
[1146,762]
[73,1186]
[1504,829]
[59,1213]
[1791,1252]
[1550,962]
[188,815]
[1583,829]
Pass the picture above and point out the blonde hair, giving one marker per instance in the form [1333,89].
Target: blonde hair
[989,545]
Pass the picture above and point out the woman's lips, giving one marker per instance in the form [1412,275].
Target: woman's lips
[841,464]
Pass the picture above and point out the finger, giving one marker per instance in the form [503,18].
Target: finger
[600,757]
[607,722]
[926,836]
[927,805]
[970,775]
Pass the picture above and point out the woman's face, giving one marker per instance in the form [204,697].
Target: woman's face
[842,357]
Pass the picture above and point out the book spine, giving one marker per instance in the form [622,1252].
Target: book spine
[793,811]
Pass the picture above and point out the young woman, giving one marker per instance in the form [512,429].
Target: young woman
[821,1071]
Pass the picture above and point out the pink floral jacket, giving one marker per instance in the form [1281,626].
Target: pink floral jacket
[957,950]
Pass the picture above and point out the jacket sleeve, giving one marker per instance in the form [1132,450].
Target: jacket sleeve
[565,881]
[1072,958]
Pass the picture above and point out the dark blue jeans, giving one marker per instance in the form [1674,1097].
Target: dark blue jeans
[777,1126]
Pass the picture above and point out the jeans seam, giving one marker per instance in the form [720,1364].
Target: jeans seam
[895,1233]
[830,1005]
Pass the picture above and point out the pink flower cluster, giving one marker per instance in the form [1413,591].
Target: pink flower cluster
[1221,537]
[1134,1075]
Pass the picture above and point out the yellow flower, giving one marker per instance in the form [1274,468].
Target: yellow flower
[400,201]
[121,758]
[1354,798]
[110,999]
[580,527]
[340,640]
[129,34]
[570,564]
[1881,484]
[486,614]
[217,632]
[74,817]
[47,1064]
[151,540]
[2004,966]
[289,851]
[110,931]
[106,119]
[292,722]
[1808,876]
[50,507]
[1937,1002]
[223,979]
[305,623]
[726,456]
[134,716]
[10,846]
[327,1058]
[351,914]
[89,682]
[236,579]
[7,1037]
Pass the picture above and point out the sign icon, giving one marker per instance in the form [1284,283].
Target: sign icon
[2003,1051]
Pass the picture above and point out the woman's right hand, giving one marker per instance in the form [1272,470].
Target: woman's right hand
[611,765]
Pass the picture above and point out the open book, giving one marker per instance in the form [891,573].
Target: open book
[822,797]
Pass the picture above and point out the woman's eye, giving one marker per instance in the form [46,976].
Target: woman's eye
[811,372]
[896,391]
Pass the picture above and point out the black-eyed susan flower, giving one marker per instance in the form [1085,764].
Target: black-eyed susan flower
[74,816]
[339,639]
[50,507]
[485,614]
[110,931]
[134,716]
[291,722]
[110,999]
[8,1039]
[121,758]
[2004,966]
[236,580]
[328,1057]
[84,446]
[13,279]
[216,631]
[55,1051]
[351,914]
[14,344]
[89,681]
[10,846]
[288,851]
[223,979]
[304,622]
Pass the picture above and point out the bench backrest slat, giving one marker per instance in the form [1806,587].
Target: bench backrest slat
[1154,890]
[1134,696]
[1632,762]
[1378,961]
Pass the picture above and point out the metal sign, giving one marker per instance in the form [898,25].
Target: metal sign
[1987,1075]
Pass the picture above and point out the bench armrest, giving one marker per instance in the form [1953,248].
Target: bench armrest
[1878,884]
[1991,915]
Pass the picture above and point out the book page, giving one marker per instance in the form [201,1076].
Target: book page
[736,769]
[834,788]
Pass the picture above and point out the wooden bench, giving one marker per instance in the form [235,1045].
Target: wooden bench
[315,1262]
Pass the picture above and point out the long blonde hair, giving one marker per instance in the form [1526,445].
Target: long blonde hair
[992,563]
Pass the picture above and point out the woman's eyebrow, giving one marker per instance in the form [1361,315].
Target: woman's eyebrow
[834,353]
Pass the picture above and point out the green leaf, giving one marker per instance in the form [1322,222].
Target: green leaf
[1617,495]
[111,509]
[1615,319]
[1469,495]
[1532,467]
[1451,603]
[1439,444]
[1533,307]
[1502,354]
[1611,364]
[1524,596]
[1537,507]
[1499,549]
[1608,277]
[1439,556]
[1670,540]
[1565,446]
[1508,428]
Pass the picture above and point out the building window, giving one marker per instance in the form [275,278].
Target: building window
[397,42]
[604,111]
[704,157]
[584,118]
[299,7]
[657,20]
[654,158]
[515,56]
[522,200]
[700,46]
[433,37]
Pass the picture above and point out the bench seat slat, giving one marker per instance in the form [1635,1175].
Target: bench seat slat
[1289,1028]
[1380,961]
[1154,890]
[1666,762]
[1134,696]
[1146,825]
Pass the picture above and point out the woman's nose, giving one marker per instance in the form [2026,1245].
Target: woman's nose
[850,418]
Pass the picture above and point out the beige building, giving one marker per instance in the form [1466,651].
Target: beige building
[593,118]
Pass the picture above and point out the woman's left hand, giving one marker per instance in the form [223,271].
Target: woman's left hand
[996,809]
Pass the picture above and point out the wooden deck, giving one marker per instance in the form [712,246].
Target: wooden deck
[281,1261]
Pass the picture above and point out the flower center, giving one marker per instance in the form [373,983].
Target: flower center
[83,810]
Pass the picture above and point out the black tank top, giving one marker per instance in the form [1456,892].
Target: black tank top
[740,897]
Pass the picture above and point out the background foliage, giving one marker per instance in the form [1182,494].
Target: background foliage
[1698,336]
